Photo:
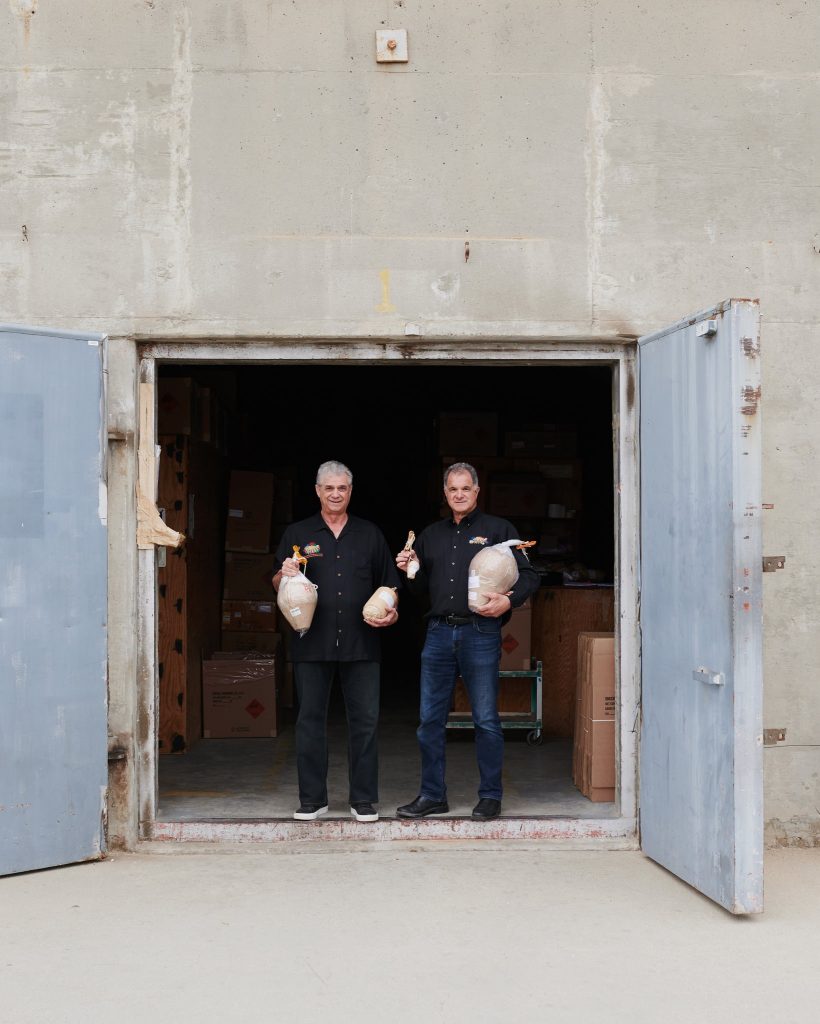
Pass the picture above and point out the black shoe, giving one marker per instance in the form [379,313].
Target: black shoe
[422,806]
[309,812]
[364,812]
[486,810]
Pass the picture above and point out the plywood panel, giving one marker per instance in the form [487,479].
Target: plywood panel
[191,490]
[559,615]
[206,499]
[172,639]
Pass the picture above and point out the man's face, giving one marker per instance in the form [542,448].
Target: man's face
[334,493]
[461,493]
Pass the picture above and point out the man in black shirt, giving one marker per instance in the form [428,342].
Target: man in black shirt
[461,642]
[348,559]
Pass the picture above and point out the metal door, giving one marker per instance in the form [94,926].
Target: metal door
[701,786]
[53,563]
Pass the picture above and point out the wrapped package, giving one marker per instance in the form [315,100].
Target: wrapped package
[297,598]
[380,603]
[413,565]
[493,570]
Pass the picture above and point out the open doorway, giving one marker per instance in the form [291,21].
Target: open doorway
[541,438]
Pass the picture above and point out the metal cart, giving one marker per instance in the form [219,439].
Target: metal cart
[514,719]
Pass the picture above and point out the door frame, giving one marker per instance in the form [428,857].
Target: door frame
[619,831]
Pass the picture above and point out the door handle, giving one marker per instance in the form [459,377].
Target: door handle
[706,675]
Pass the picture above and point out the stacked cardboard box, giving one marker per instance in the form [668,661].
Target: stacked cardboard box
[536,483]
[593,755]
[248,599]
[240,694]
[250,504]
[249,615]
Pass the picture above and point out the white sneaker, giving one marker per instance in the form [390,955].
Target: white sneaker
[309,812]
[364,812]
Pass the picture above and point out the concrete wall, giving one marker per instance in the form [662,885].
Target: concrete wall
[213,169]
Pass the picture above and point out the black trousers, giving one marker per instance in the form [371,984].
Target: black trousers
[360,688]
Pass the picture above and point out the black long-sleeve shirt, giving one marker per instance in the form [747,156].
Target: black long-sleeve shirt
[445,550]
[347,570]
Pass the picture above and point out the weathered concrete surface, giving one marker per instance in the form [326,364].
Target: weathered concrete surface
[214,169]
[435,932]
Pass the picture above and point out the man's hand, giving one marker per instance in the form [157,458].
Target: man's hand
[290,567]
[404,557]
[388,620]
[497,605]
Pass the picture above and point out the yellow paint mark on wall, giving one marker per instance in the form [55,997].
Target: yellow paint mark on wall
[385,306]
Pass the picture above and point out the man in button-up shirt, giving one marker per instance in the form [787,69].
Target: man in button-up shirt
[461,642]
[348,559]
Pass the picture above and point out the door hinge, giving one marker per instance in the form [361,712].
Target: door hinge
[771,563]
[771,737]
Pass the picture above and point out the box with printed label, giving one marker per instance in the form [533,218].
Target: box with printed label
[239,698]
[516,641]
[251,616]
[250,504]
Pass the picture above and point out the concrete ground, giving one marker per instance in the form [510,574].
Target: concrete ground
[421,932]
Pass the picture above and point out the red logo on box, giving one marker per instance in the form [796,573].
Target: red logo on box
[509,643]
[255,709]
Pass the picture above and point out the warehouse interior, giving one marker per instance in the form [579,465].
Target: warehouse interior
[541,439]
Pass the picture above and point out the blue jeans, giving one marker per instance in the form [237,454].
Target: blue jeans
[473,652]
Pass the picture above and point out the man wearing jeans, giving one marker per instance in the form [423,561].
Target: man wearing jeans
[348,559]
[461,642]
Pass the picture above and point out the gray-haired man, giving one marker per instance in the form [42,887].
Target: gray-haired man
[461,642]
[348,559]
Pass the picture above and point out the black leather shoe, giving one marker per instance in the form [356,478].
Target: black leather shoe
[422,806]
[486,810]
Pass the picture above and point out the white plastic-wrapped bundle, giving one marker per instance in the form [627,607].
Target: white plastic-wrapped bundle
[296,600]
[379,604]
[413,565]
[493,570]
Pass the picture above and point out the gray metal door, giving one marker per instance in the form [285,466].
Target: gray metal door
[701,785]
[53,564]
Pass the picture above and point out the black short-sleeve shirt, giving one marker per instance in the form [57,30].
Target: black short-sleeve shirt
[346,569]
[445,550]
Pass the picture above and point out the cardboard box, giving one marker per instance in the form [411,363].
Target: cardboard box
[518,496]
[239,697]
[249,616]
[261,643]
[516,641]
[176,397]
[561,444]
[467,434]
[250,503]
[248,577]
[593,755]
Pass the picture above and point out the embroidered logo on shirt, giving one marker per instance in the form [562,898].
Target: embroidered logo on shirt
[312,550]
[479,540]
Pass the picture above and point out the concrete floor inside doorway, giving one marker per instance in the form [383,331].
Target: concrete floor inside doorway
[253,779]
